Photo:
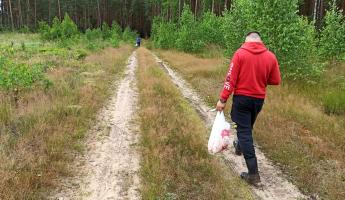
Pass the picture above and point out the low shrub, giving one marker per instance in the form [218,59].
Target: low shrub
[106,31]
[116,28]
[128,35]
[92,34]
[44,30]
[15,76]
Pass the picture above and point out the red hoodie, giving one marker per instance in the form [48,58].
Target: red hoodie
[252,68]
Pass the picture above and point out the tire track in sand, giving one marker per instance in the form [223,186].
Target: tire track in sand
[109,169]
[274,185]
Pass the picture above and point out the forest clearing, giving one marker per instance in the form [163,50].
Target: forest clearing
[116,99]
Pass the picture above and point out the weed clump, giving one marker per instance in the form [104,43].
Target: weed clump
[334,103]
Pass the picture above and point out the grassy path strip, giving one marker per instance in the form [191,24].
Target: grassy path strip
[111,163]
[275,186]
[175,161]
[41,137]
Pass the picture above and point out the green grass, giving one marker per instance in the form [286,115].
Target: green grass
[41,135]
[328,91]
[31,40]
[294,129]
[175,162]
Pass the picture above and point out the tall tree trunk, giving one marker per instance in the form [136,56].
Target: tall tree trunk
[99,22]
[20,14]
[225,4]
[49,11]
[28,13]
[8,16]
[85,19]
[76,13]
[3,23]
[196,9]
[35,13]
[179,10]
[59,8]
[320,14]
[212,6]
[315,9]
[2,13]
[11,14]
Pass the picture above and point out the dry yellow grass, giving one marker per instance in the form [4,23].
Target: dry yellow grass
[292,129]
[175,161]
[40,137]
[206,73]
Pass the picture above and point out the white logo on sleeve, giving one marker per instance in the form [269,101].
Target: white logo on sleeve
[227,85]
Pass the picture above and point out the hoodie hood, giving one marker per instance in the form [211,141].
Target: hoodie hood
[254,47]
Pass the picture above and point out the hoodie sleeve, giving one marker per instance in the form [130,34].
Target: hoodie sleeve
[231,78]
[274,77]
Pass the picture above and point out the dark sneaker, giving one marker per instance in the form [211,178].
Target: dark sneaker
[237,148]
[252,179]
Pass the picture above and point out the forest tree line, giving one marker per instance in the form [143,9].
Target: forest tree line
[302,47]
[138,14]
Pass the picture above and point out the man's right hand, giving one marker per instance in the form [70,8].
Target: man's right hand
[220,106]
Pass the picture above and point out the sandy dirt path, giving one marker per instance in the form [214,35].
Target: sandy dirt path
[109,168]
[274,185]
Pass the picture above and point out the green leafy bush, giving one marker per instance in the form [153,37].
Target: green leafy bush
[235,25]
[24,29]
[286,33]
[106,31]
[92,34]
[18,76]
[189,37]
[115,39]
[97,38]
[44,30]
[55,29]
[68,27]
[129,35]
[210,26]
[116,32]
[116,28]
[58,30]
[332,41]
[291,37]
[163,34]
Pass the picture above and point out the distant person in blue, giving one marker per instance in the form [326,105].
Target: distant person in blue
[138,41]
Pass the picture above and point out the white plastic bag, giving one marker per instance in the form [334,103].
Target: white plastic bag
[220,135]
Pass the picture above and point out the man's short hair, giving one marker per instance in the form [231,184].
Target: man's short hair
[253,35]
[257,32]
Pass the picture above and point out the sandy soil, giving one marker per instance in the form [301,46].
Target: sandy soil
[275,186]
[109,169]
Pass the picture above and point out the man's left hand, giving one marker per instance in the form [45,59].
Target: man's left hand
[220,106]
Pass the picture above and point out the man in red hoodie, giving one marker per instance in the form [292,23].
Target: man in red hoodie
[252,68]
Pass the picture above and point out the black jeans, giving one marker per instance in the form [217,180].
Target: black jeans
[244,113]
